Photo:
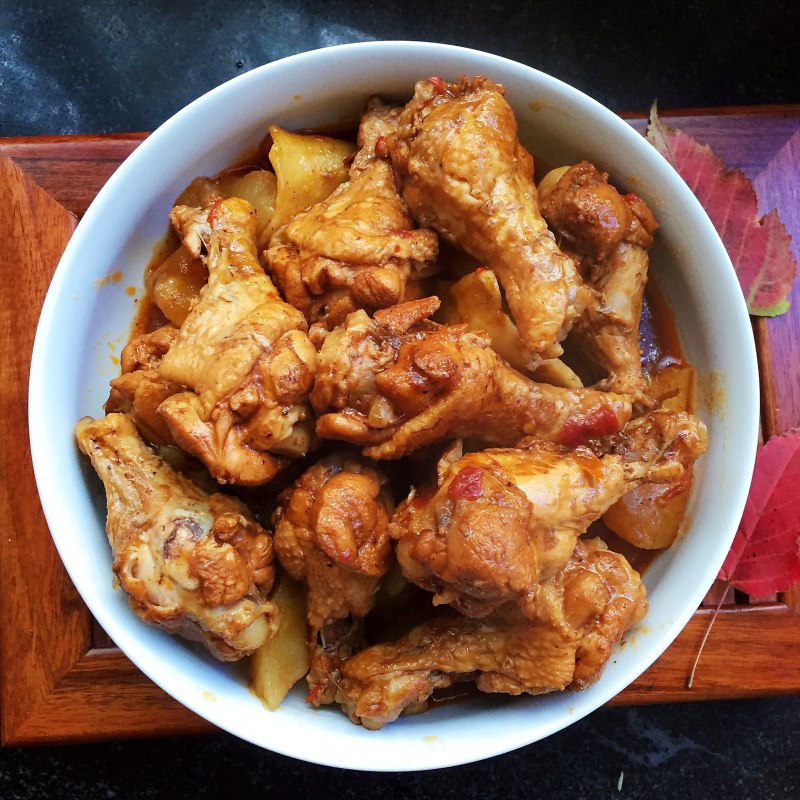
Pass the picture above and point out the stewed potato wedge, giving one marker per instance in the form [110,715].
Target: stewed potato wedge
[308,168]
[477,301]
[650,515]
[280,662]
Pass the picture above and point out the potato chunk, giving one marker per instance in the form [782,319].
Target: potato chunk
[260,189]
[650,515]
[308,168]
[477,301]
[280,662]
[176,283]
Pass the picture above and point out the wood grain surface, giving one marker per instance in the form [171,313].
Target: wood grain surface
[61,678]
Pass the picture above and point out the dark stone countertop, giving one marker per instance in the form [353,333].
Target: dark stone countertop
[742,750]
[111,65]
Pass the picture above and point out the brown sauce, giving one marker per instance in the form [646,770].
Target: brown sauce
[459,692]
[148,315]
[658,335]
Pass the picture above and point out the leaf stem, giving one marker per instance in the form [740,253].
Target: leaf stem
[706,634]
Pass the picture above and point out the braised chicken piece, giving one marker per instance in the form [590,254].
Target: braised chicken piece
[331,533]
[501,521]
[192,563]
[463,173]
[398,382]
[582,612]
[610,234]
[243,355]
[358,248]
[141,388]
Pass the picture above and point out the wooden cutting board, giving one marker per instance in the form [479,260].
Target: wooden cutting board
[61,679]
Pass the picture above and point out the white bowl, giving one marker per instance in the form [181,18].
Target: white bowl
[71,367]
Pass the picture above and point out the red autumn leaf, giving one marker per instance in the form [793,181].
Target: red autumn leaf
[757,245]
[777,187]
[765,555]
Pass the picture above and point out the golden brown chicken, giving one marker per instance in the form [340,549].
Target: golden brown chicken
[581,613]
[501,521]
[398,382]
[610,234]
[463,173]
[141,388]
[243,354]
[193,564]
[358,248]
[331,533]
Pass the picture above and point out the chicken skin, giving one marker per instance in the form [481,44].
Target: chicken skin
[610,234]
[398,382]
[243,354]
[331,533]
[358,248]
[501,521]
[141,388]
[582,612]
[193,564]
[464,173]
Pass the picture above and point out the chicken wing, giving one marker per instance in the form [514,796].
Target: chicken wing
[463,173]
[357,248]
[243,354]
[501,521]
[582,612]
[192,563]
[398,382]
[141,388]
[611,235]
[331,533]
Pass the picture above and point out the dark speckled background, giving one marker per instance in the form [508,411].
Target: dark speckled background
[112,65]
[67,67]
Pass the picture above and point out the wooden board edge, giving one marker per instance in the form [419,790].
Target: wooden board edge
[51,626]
[10,144]
[104,696]
[762,662]
[78,709]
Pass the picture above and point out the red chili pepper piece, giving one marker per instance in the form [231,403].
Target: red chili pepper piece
[598,424]
[438,84]
[478,270]
[630,197]
[213,212]
[466,485]
[315,690]
[677,488]
[402,233]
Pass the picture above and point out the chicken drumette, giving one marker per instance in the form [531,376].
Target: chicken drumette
[463,173]
[610,234]
[331,533]
[398,382]
[581,613]
[242,352]
[192,563]
[141,388]
[358,248]
[501,521]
